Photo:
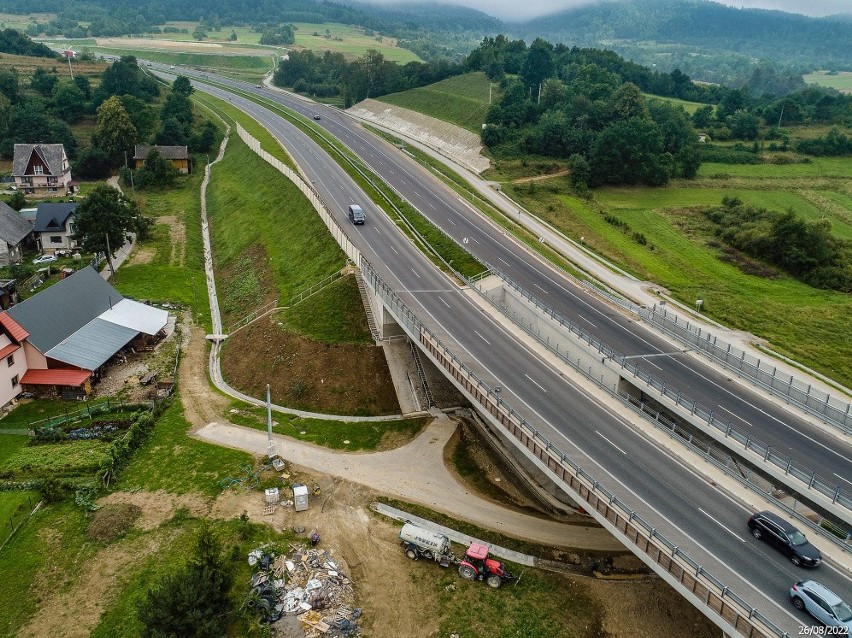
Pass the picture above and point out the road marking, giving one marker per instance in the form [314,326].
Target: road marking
[724,527]
[651,364]
[531,379]
[841,478]
[377,230]
[415,272]
[416,194]
[611,443]
[504,261]
[474,240]
[476,332]
[443,302]
[540,288]
[587,321]
[394,249]
[451,221]
[735,415]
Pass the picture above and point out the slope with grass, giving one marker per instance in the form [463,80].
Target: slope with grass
[461,100]
[267,238]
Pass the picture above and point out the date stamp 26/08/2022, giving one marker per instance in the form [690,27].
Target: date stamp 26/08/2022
[822,630]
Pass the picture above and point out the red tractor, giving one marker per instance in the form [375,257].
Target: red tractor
[477,566]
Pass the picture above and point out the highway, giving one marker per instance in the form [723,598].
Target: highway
[692,513]
[747,410]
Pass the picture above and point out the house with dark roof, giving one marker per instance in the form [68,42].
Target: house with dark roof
[177,155]
[42,170]
[66,333]
[14,232]
[54,226]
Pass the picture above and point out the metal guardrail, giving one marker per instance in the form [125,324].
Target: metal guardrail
[807,477]
[821,525]
[830,409]
[634,530]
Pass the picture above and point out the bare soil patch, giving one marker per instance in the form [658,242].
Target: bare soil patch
[177,232]
[201,405]
[155,508]
[399,597]
[309,375]
[141,256]
[538,178]
[112,521]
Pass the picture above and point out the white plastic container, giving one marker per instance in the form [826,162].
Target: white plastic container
[272,496]
[300,497]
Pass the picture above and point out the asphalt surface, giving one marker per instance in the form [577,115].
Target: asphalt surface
[705,523]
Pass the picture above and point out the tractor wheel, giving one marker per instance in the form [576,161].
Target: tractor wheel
[411,554]
[467,572]
[494,581]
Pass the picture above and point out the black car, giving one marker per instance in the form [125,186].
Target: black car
[317,117]
[784,537]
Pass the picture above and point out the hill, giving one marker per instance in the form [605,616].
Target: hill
[706,40]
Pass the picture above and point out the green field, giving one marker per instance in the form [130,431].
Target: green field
[56,459]
[842,80]
[462,100]
[174,276]
[805,323]
[689,107]
[817,167]
[352,41]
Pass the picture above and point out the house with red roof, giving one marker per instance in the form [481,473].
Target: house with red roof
[57,342]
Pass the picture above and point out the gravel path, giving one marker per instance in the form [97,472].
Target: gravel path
[416,473]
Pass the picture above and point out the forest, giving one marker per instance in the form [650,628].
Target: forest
[708,40]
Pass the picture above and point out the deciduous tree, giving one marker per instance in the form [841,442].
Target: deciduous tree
[115,132]
[103,220]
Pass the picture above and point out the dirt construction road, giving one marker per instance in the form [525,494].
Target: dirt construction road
[416,473]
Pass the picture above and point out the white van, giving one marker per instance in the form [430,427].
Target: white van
[356,214]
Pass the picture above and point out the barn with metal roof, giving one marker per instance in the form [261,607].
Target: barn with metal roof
[78,325]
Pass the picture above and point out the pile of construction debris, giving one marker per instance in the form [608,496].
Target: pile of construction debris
[305,583]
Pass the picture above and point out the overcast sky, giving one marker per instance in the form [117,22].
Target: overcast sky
[514,10]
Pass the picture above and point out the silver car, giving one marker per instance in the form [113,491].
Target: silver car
[823,604]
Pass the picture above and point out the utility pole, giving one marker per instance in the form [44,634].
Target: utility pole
[539,94]
[490,86]
[109,258]
[271,451]
[780,116]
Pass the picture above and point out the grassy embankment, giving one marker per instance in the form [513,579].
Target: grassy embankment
[798,321]
[461,100]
